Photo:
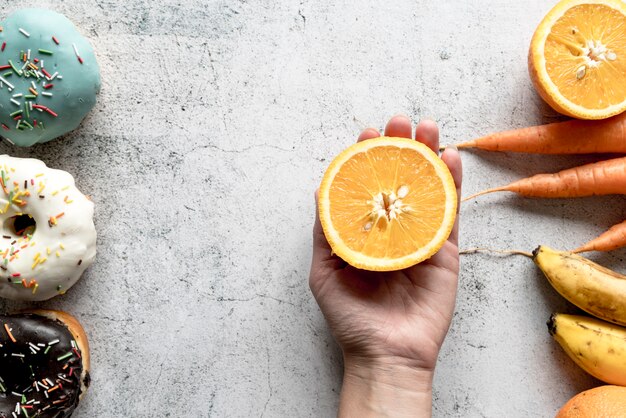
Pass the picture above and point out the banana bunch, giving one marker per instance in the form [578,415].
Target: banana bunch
[598,347]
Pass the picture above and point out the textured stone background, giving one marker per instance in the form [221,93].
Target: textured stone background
[215,123]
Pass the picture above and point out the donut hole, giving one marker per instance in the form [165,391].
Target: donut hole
[20,225]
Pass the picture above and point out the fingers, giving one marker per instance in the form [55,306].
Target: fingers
[368,133]
[427,133]
[452,158]
[399,126]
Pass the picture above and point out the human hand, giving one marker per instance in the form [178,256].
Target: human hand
[390,325]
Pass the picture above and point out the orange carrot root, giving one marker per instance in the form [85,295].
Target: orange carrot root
[468,144]
[601,178]
[612,239]
[475,195]
[570,137]
[491,250]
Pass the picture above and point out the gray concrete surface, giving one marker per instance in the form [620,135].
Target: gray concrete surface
[215,123]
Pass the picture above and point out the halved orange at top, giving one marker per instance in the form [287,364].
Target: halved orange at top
[387,204]
[577,58]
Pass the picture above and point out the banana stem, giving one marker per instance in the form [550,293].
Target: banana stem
[491,250]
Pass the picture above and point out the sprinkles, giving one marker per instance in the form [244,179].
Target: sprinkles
[28,64]
[11,86]
[52,371]
[77,54]
[20,249]
[8,330]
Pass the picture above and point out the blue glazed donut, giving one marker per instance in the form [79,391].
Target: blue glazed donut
[49,77]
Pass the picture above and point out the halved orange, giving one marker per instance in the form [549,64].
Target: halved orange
[577,58]
[387,204]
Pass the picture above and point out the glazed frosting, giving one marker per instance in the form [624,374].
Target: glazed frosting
[41,261]
[40,367]
[49,76]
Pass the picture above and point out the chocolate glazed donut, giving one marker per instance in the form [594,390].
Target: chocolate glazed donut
[44,364]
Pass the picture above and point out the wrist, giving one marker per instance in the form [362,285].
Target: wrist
[385,388]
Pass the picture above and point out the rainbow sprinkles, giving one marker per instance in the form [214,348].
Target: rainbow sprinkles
[48,237]
[42,367]
[49,77]
[30,67]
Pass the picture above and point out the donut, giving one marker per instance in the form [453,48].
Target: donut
[47,236]
[49,76]
[44,364]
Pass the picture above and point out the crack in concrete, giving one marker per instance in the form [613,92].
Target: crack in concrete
[240,151]
[269,382]
[224,299]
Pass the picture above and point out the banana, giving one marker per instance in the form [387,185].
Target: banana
[596,346]
[593,288]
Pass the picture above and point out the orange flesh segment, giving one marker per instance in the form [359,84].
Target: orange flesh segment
[595,84]
[375,171]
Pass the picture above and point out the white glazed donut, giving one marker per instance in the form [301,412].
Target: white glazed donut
[48,237]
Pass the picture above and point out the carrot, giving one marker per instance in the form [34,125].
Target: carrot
[571,137]
[601,178]
[612,239]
